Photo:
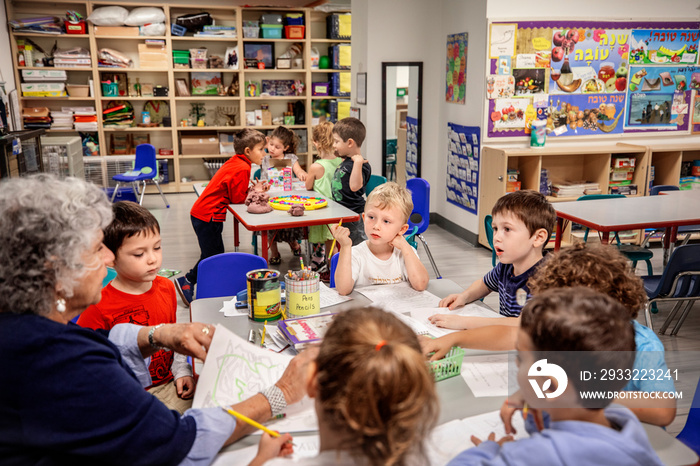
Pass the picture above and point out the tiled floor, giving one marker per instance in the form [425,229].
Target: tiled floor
[456,260]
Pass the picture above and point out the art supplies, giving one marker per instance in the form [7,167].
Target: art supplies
[302,293]
[251,422]
[330,254]
[304,331]
[263,294]
[262,340]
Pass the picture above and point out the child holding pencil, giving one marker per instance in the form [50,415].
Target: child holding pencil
[319,179]
[374,395]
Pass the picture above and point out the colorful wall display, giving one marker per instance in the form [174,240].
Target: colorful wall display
[597,78]
[412,129]
[456,64]
[463,152]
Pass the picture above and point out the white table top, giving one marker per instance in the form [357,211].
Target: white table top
[456,399]
[661,211]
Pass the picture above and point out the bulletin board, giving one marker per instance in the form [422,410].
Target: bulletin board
[592,78]
[463,154]
[412,129]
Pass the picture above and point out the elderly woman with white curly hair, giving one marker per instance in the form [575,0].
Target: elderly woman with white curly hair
[71,395]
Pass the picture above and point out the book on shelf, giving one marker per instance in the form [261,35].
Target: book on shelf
[574,188]
[304,331]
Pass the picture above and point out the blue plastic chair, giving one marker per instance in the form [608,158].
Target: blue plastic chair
[145,169]
[420,216]
[391,149]
[334,264]
[690,435]
[633,252]
[488,229]
[682,230]
[224,274]
[111,275]
[680,283]
[374,181]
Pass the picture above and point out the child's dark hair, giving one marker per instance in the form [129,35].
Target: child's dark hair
[374,386]
[602,268]
[350,128]
[288,138]
[581,329]
[531,207]
[247,138]
[130,219]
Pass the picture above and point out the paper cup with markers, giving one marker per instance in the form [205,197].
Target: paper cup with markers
[303,293]
[263,295]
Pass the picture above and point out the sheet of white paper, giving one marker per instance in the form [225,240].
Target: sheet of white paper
[329,296]
[487,375]
[422,314]
[229,309]
[399,297]
[240,457]
[235,370]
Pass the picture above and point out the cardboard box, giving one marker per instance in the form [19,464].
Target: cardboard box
[204,144]
[127,31]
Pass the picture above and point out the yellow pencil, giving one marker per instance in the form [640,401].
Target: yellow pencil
[262,342]
[248,420]
[525,411]
[330,254]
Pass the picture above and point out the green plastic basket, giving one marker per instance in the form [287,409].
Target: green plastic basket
[449,366]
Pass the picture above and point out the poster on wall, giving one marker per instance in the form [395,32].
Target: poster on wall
[412,129]
[600,77]
[456,72]
[463,154]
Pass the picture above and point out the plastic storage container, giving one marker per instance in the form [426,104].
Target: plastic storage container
[78,90]
[449,366]
[271,31]
[271,18]
[294,32]
[338,26]
[250,32]
[294,19]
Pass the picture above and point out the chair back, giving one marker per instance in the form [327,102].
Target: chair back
[224,274]
[334,264]
[146,158]
[420,193]
[690,435]
[374,181]
[111,275]
[662,187]
[488,229]
[683,259]
[256,175]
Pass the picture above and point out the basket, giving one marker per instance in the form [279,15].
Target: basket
[271,31]
[78,90]
[251,32]
[449,366]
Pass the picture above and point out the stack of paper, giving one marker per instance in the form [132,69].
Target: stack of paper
[85,119]
[61,120]
[574,188]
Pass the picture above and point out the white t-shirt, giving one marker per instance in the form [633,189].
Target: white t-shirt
[325,458]
[368,269]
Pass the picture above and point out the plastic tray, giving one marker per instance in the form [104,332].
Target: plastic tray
[449,366]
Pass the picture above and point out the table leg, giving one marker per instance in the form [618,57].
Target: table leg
[560,232]
[669,241]
[236,239]
[605,239]
[263,244]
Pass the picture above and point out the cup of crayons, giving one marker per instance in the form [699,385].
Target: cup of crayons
[264,295]
[302,292]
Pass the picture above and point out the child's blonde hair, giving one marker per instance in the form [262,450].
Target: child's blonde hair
[389,195]
[375,387]
[322,135]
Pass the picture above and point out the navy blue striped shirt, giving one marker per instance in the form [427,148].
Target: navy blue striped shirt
[501,280]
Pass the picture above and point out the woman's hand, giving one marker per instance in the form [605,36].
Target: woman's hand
[296,376]
[272,447]
[188,339]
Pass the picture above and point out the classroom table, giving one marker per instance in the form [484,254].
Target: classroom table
[610,215]
[280,219]
[456,399]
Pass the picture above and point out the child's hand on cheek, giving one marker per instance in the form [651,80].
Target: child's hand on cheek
[342,235]
[400,243]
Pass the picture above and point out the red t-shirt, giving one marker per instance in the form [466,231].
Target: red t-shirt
[228,186]
[156,306]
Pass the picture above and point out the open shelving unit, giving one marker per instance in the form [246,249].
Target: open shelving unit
[180,166]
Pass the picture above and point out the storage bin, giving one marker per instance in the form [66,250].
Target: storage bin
[271,31]
[320,88]
[251,32]
[449,366]
[294,32]
[271,18]
[338,26]
[75,27]
[78,90]
[294,19]
[199,63]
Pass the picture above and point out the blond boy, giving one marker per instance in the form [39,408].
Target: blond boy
[385,257]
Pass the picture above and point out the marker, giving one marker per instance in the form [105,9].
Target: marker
[262,342]
[251,336]
[525,411]
[330,254]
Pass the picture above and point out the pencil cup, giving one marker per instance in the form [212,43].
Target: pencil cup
[263,294]
[302,293]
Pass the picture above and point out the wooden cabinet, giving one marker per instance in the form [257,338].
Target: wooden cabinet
[180,166]
[572,163]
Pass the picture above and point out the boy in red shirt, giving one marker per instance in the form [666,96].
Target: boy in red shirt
[228,186]
[139,296]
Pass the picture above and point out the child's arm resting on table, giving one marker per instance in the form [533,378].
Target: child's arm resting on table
[298,171]
[476,290]
[493,338]
[344,283]
[457,322]
[316,171]
[356,180]
[415,270]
